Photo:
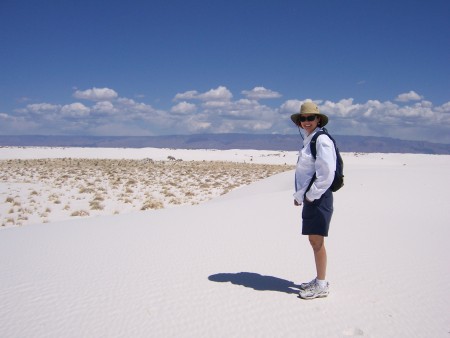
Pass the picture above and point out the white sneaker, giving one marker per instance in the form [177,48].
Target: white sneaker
[304,286]
[314,291]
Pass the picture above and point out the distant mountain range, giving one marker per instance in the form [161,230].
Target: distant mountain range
[367,144]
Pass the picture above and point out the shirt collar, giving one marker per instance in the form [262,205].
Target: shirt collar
[310,136]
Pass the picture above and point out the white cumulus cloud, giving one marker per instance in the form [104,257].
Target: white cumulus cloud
[189,95]
[104,107]
[96,94]
[75,110]
[215,110]
[220,93]
[410,96]
[39,108]
[259,93]
[184,108]
[290,107]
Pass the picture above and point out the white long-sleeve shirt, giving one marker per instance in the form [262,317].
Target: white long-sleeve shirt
[323,166]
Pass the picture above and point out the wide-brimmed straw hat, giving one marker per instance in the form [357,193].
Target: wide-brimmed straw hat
[309,108]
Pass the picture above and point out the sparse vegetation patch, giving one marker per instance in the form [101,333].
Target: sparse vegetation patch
[43,190]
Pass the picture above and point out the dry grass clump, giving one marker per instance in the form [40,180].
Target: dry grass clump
[9,200]
[152,204]
[80,213]
[96,205]
[73,186]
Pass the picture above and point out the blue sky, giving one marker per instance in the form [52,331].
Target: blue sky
[375,67]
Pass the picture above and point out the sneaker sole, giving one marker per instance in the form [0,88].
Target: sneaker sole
[314,297]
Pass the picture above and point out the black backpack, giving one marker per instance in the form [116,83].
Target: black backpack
[338,181]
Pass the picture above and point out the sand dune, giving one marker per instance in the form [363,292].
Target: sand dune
[231,266]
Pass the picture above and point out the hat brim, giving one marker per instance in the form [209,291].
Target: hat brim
[296,119]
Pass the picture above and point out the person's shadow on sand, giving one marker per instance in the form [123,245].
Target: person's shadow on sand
[256,281]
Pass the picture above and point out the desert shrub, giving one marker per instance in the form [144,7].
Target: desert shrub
[167,193]
[152,204]
[95,205]
[175,201]
[86,190]
[80,213]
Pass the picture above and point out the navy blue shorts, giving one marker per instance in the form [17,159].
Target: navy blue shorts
[317,214]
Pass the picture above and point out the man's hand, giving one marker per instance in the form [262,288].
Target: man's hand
[296,203]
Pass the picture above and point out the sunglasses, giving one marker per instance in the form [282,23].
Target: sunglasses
[307,118]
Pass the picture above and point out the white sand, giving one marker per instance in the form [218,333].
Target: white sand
[157,154]
[229,267]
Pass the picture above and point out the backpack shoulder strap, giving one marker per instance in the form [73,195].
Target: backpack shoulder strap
[313,141]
